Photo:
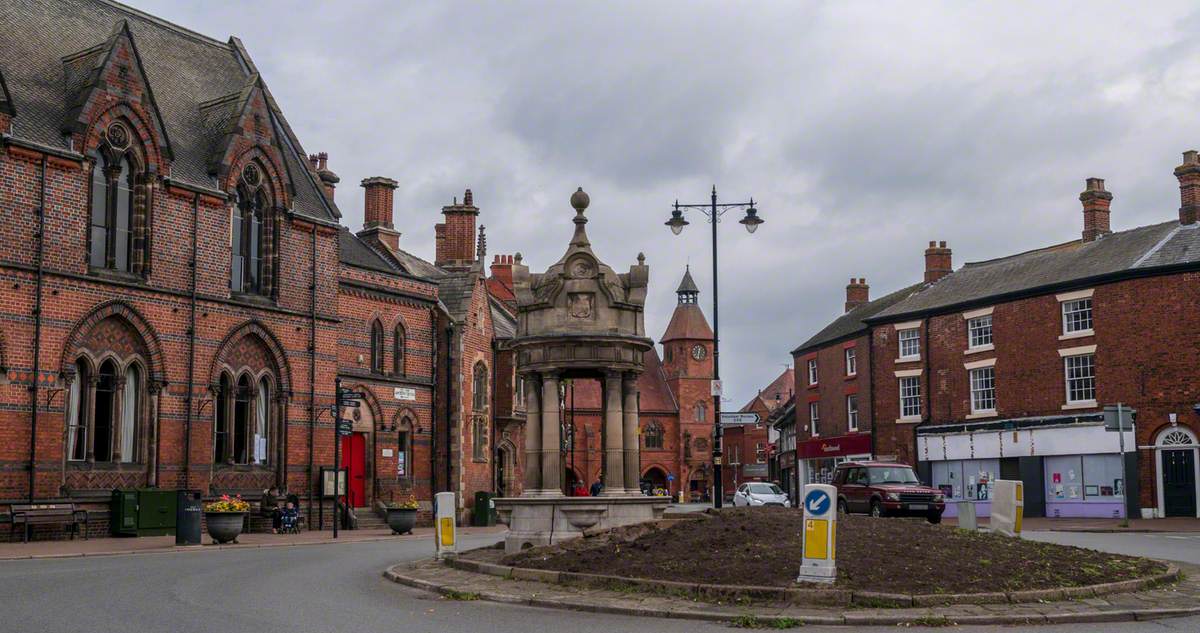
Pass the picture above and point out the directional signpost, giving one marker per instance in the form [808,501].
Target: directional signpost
[342,428]
[739,418]
[820,534]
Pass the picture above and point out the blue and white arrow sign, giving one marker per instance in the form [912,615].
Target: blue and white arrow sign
[816,503]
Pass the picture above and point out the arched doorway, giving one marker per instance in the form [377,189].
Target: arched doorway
[1178,471]
[506,460]
[654,482]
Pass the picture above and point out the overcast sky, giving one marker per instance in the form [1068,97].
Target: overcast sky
[863,130]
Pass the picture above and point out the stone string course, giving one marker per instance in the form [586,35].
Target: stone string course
[1171,594]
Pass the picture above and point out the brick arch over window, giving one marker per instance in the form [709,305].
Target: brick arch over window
[252,346]
[144,141]
[122,327]
[273,174]
[120,195]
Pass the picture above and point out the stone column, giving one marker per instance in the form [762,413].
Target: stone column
[551,447]
[155,391]
[633,464]
[614,458]
[90,428]
[533,436]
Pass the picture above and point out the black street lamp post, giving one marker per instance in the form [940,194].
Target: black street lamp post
[713,211]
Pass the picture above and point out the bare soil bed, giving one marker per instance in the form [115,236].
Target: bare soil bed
[763,546]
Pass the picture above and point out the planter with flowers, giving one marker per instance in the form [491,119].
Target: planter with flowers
[225,518]
[402,515]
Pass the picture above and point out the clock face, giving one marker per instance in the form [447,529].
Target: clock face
[699,352]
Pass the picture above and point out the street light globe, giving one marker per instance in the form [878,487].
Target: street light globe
[676,222]
[751,221]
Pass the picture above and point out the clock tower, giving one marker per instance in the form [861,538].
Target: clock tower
[688,364]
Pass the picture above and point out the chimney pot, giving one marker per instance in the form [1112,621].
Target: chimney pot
[857,293]
[938,262]
[1189,187]
[1096,201]
[467,198]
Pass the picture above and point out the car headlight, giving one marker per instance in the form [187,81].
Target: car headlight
[939,498]
[892,496]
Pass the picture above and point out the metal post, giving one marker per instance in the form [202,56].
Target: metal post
[1124,475]
[337,450]
[718,484]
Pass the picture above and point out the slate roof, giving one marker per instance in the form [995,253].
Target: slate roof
[355,252]
[183,69]
[853,322]
[504,325]
[455,290]
[1132,252]
[687,284]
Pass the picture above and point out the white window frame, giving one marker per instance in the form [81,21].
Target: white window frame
[982,384]
[814,418]
[915,339]
[812,372]
[1079,403]
[1070,300]
[851,361]
[852,412]
[908,411]
[978,329]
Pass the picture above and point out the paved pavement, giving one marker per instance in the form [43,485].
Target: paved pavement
[320,589]
[1182,546]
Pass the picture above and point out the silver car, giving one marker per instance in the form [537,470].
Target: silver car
[759,493]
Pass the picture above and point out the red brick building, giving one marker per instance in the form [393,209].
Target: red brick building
[179,296]
[1014,368]
[747,446]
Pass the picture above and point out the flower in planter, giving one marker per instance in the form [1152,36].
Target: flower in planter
[228,504]
[408,504]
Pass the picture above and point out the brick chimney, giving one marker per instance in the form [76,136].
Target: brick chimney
[377,211]
[938,263]
[857,293]
[1189,187]
[329,180]
[455,238]
[502,269]
[1096,201]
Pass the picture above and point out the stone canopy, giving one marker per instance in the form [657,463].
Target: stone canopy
[580,311]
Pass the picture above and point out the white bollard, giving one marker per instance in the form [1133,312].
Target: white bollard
[444,529]
[820,534]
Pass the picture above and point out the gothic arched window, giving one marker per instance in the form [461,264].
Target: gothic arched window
[111,235]
[701,412]
[376,347]
[404,452]
[479,387]
[479,437]
[248,241]
[243,420]
[653,435]
[398,355]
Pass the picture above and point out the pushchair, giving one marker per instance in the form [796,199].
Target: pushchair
[289,517]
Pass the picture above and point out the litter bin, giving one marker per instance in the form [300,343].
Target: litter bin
[188,512]
[485,510]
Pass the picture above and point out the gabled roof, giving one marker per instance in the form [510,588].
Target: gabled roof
[1133,252]
[455,290]
[687,322]
[687,284]
[50,46]
[854,321]
[504,324]
[783,386]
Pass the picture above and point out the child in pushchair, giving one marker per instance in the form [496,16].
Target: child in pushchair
[290,519]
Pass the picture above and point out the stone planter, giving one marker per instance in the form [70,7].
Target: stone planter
[224,527]
[401,520]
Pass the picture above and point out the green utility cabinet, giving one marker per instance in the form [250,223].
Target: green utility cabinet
[485,510]
[143,512]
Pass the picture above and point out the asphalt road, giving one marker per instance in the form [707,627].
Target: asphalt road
[323,588]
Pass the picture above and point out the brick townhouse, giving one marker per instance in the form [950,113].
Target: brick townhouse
[179,296]
[1006,368]
[747,446]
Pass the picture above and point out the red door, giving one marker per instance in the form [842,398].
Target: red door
[354,459]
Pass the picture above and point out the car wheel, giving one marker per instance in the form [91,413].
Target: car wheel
[935,518]
[876,509]
[842,507]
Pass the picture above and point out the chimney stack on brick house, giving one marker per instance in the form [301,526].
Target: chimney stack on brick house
[320,165]
[1096,201]
[455,244]
[857,293]
[502,266]
[378,225]
[1189,187]
[938,263]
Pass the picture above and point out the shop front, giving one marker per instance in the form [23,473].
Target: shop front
[819,456]
[1071,466]
[787,475]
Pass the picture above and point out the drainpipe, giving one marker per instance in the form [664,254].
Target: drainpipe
[312,377]
[449,403]
[191,372]
[927,413]
[435,397]
[871,389]
[37,329]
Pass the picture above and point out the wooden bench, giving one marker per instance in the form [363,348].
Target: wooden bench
[30,514]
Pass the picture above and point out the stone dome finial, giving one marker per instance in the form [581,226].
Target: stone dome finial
[580,200]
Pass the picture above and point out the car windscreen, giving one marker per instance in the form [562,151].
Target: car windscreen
[765,489]
[892,475]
